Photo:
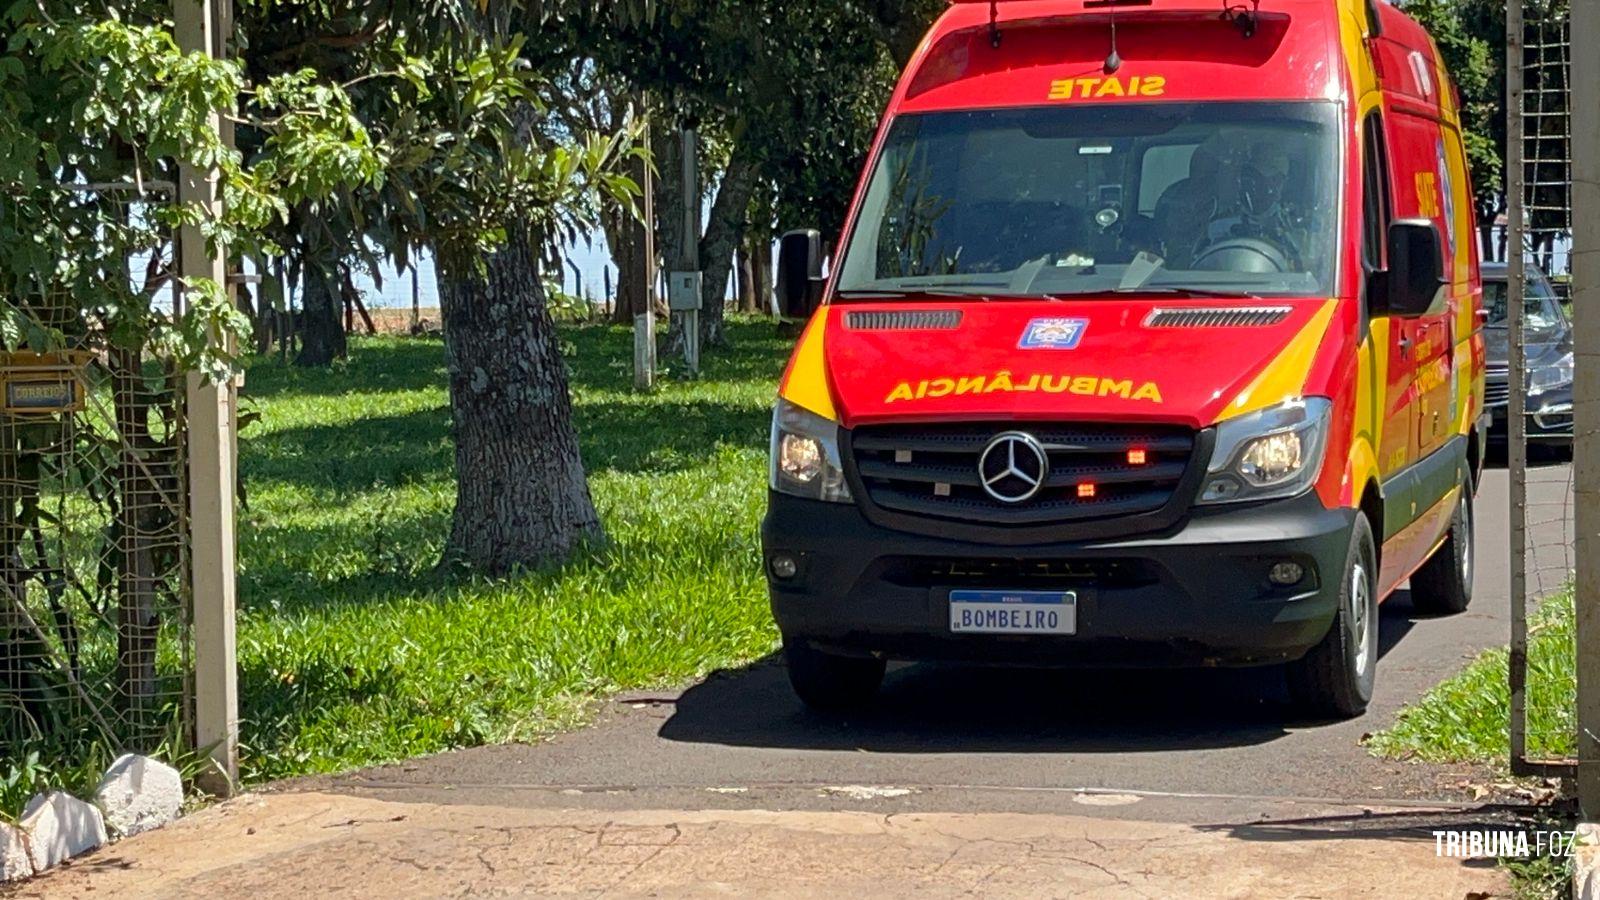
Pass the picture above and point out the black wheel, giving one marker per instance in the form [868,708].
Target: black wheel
[1334,679]
[828,682]
[1444,583]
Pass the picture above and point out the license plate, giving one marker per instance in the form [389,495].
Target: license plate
[1014,612]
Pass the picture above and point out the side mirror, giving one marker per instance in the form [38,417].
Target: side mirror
[799,273]
[1410,286]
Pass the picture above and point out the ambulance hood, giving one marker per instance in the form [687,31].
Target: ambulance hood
[1121,359]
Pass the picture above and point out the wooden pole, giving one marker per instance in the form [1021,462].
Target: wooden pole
[200,26]
[691,243]
[288,319]
[644,321]
[1585,106]
[416,300]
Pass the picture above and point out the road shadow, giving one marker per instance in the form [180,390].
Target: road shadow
[1540,456]
[953,708]
[1427,826]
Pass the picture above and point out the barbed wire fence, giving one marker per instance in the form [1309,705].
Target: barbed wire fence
[96,652]
[1539,400]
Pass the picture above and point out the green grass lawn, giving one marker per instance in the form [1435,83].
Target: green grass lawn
[1467,717]
[352,651]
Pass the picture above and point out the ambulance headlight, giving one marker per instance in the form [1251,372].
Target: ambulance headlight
[1274,452]
[805,455]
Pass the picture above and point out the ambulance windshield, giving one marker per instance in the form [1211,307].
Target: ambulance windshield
[1214,198]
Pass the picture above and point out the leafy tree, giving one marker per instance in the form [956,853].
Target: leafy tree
[98,108]
[786,96]
[456,96]
[1471,39]
[506,195]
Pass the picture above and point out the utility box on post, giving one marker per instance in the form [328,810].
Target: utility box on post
[683,291]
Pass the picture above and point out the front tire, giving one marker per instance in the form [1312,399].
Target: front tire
[1335,678]
[827,682]
[1443,586]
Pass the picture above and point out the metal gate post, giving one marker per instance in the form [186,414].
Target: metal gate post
[200,27]
[1585,107]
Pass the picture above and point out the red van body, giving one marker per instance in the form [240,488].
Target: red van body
[1153,338]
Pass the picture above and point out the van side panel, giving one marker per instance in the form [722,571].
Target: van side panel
[1368,379]
[1421,191]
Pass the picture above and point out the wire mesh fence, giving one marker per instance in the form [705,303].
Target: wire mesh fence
[1538,380]
[95,645]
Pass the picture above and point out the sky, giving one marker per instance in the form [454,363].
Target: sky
[588,262]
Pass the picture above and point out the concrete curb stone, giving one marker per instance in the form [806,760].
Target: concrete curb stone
[59,827]
[137,794]
[15,863]
[1586,862]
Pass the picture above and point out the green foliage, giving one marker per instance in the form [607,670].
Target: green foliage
[798,87]
[455,116]
[1471,38]
[1466,718]
[27,771]
[98,107]
[353,652]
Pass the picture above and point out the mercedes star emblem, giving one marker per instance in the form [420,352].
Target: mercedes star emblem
[1013,466]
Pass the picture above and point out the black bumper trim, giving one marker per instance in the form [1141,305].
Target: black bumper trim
[1195,594]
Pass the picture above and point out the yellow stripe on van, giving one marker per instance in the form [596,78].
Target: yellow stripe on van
[1285,376]
[806,383]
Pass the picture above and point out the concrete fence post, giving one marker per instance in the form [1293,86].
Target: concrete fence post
[201,26]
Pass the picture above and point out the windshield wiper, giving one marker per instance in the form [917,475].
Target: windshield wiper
[903,293]
[1208,293]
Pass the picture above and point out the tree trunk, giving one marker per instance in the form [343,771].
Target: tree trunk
[761,260]
[521,495]
[322,337]
[669,195]
[747,277]
[269,300]
[625,236]
[724,231]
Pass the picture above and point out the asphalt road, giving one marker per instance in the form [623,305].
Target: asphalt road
[1192,746]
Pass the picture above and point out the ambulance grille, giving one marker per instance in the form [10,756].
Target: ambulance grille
[1226,317]
[903,320]
[932,471]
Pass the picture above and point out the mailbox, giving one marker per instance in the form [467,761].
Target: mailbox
[41,384]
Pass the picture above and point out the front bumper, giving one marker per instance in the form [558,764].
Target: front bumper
[1195,594]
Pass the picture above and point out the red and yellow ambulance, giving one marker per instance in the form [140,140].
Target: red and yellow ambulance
[1153,338]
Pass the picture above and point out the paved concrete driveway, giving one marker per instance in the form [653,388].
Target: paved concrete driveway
[960,781]
[1190,744]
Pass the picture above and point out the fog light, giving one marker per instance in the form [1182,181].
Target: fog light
[1286,573]
[784,566]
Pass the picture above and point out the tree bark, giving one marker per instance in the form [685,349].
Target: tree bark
[761,262]
[669,195]
[746,270]
[724,230]
[322,337]
[625,236]
[521,496]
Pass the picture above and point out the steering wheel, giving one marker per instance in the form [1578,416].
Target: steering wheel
[1243,254]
